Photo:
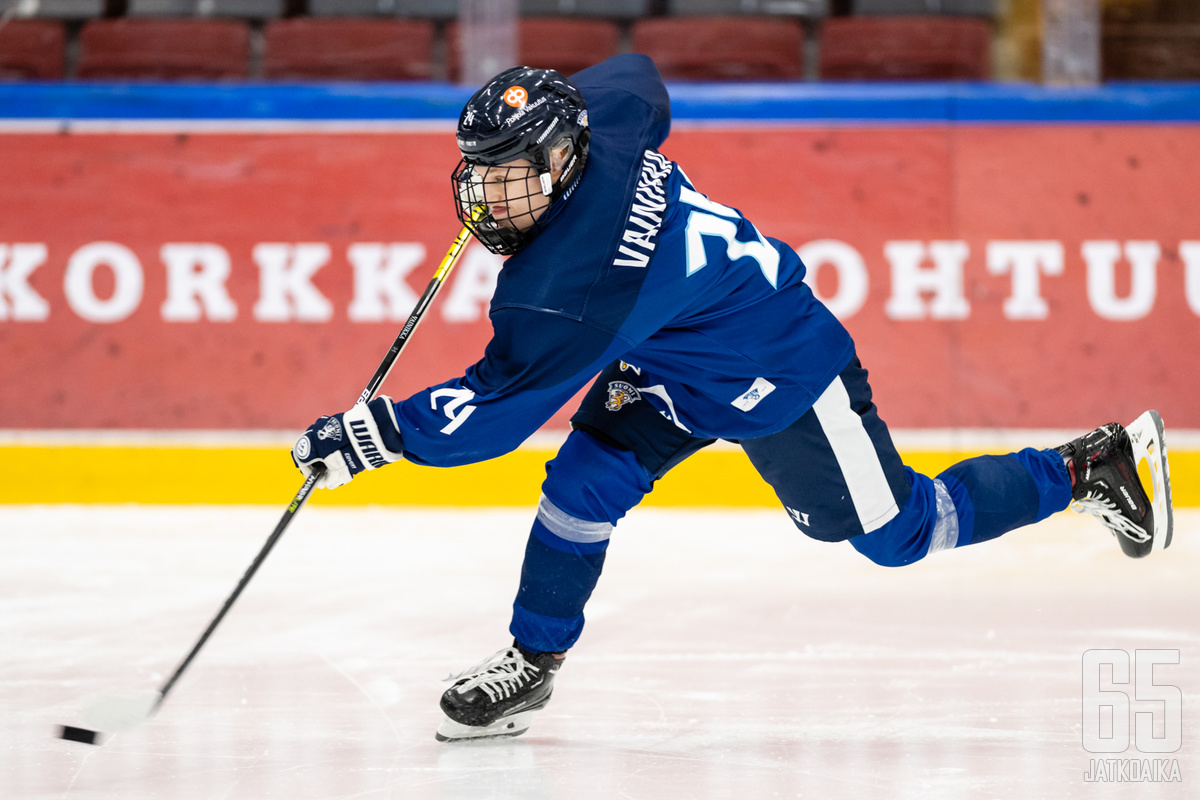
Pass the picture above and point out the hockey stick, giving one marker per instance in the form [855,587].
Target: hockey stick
[115,714]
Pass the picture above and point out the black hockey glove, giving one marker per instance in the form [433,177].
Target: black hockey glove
[365,437]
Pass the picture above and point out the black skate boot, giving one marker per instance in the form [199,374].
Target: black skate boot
[1105,483]
[498,696]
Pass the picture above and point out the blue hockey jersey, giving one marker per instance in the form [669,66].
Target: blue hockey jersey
[637,265]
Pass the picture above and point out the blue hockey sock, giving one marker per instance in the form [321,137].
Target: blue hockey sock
[973,501]
[557,579]
[996,494]
[589,486]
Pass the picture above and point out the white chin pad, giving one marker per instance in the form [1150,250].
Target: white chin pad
[547,183]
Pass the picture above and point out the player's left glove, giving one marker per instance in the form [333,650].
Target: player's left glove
[365,437]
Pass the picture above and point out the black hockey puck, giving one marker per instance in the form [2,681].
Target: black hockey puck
[79,735]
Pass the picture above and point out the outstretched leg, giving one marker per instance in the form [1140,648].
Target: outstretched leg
[840,478]
[982,498]
[838,474]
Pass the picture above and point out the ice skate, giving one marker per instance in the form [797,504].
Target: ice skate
[1105,482]
[498,696]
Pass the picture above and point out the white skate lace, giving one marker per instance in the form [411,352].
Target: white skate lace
[498,675]
[1106,511]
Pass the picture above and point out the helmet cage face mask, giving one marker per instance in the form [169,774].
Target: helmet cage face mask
[480,188]
[522,115]
[526,193]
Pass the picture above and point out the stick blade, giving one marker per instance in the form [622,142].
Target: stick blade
[111,714]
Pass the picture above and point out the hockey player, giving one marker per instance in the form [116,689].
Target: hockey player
[699,328]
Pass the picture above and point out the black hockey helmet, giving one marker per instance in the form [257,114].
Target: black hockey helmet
[522,113]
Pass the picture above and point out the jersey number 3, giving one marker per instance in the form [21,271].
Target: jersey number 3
[714,219]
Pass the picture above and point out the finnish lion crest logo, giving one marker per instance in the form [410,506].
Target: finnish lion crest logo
[620,394]
[332,430]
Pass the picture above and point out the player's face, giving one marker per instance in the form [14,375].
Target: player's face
[513,193]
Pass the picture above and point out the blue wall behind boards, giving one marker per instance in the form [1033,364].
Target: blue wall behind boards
[692,103]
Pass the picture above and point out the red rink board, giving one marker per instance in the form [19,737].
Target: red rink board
[865,187]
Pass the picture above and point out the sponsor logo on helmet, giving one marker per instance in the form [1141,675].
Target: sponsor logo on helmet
[523,110]
[516,96]
[581,120]
[331,430]
[621,393]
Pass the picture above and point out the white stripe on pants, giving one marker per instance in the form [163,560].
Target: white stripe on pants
[855,454]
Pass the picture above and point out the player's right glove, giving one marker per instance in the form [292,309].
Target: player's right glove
[365,437]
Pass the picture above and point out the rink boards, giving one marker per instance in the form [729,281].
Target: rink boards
[89,468]
[201,258]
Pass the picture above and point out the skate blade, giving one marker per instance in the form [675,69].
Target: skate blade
[1146,435]
[514,725]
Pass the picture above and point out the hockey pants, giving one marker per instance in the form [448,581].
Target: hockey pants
[835,470]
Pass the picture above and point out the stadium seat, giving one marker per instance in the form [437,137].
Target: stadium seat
[32,49]
[55,9]
[731,8]
[423,9]
[242,9]
[362,49]
[722,48]
[895,8]
[608,9]
[905,48]
[567,45]
[191,49]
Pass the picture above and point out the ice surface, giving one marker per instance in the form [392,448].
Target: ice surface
[726,656]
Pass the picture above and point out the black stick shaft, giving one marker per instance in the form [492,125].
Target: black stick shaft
[414,318]
[298,501]
[288,515]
